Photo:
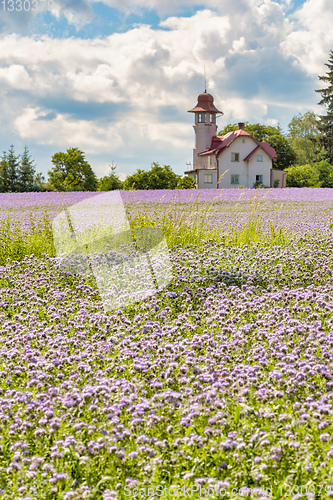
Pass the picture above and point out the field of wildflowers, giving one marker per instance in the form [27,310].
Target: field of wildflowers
[218,386]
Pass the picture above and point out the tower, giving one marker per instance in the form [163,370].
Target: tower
[205,127]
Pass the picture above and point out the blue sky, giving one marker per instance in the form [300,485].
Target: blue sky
[116,79]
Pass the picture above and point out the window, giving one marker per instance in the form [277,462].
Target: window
[202,117]
[234,179]
[212,118]
[259,158]
[208,178]
[234,156]
[243,141]
[259,178]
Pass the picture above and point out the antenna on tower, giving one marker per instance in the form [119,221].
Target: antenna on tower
[205,76]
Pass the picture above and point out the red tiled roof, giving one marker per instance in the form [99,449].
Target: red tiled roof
[220,142]
[252,152]
[267,148]
[205,103]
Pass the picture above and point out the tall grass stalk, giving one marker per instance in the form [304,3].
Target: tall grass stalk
[184,224]
[15,242]
[193,224]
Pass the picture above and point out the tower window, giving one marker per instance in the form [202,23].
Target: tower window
[234,156]
[202,117]
[212,118]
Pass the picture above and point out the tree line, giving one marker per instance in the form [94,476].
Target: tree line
[72,172]
[305,152]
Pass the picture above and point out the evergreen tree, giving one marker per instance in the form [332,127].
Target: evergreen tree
[39,182]
[26,173]
[111,181]
[4,181]
[12,167]
[326,121]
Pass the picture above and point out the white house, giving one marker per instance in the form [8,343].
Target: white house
[242,159]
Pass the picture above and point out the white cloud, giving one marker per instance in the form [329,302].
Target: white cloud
[16,76]
[236,110]
[312,38]
[33,124]
[149,78]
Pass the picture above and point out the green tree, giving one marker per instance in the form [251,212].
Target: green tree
[12,168]
[186,182]
[304,137]
[26,173]
[326,121]
[4,179]
[111,181]
[158,177]
[274,137]
[71,172]
[325,171]
[302,176]
[39,182]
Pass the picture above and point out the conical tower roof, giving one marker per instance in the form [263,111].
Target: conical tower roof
[205,104]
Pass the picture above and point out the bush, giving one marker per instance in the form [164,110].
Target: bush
[302,176]
[258,185]
[186,183]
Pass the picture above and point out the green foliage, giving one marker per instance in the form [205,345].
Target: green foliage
[302,176]
[158,177]
[19,176]
[326,121]
[12,162]
[71,172]
[39,183]
[111,181]
[28,180]
[186,182]
[325,171]
[274,137]
[276,183]
[4,179]
[258,185]
[15,243]
[185,225]
[304,137]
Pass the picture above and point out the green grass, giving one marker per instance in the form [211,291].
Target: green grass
[15,243]
[184,225]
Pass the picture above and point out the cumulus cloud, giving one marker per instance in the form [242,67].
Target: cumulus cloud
[311,40]
[16,76]
[129,92]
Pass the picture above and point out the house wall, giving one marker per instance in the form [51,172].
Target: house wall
[247,170]
[260,168]
[279,175]
[201,179]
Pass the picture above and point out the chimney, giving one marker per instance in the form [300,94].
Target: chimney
[241,126]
